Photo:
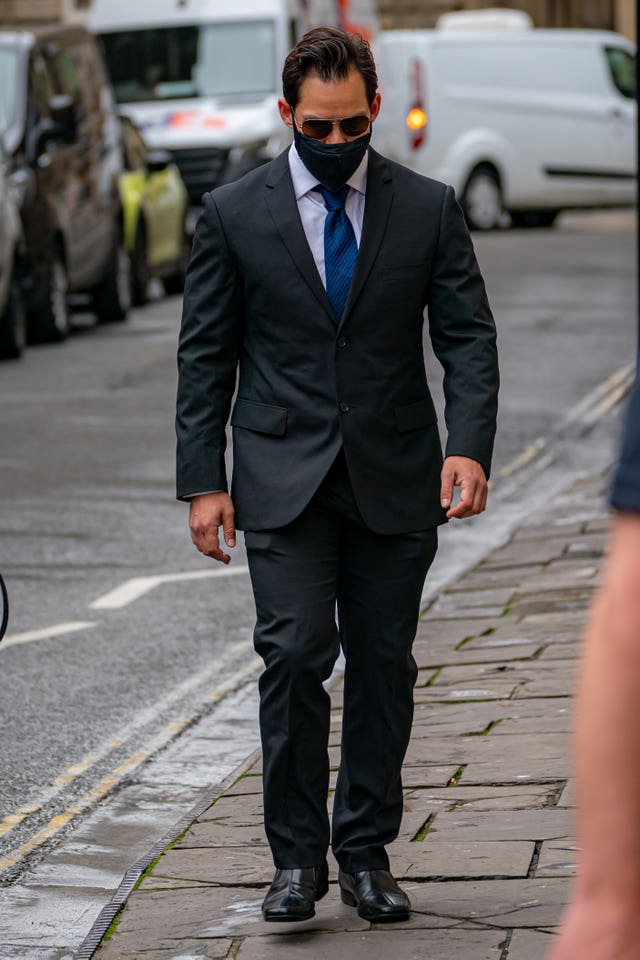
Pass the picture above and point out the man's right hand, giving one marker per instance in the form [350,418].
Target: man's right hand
[209,512]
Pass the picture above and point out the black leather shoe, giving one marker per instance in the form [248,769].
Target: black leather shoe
[377,896]
[293,893]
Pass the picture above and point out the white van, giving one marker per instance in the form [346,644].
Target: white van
[201,78]
[517,119]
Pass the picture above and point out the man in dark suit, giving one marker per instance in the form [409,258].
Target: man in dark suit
[310,276]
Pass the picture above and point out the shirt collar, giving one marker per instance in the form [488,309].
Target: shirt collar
[304,181]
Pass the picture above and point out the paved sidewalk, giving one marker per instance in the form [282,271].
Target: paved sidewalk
[485,850]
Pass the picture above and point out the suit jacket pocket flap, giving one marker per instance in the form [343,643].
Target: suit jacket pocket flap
[414,415]
[261,417]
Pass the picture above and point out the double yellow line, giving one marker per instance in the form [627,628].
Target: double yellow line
[111,780]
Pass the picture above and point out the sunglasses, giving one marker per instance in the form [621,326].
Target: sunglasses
[321,129]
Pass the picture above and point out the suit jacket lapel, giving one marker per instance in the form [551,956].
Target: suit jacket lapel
[284,210]
[376,213]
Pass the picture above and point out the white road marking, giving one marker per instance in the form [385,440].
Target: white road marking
[57,630]
[135,588]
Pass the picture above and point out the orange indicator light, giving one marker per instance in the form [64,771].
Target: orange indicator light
[416,119]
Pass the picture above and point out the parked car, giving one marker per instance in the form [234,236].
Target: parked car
[515,118]
[62,137]
[13,323]
[154,204]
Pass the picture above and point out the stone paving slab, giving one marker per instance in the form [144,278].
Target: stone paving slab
[529,672]
[568,795]
[514,752]
[427,658]
[442,716]
[484,798]
[218,912]
[482,577]
[459,858]
[501,825]
[534,551]
[542,531]
[558,858]
[401,944]
[529,945]
[249,785]
[235,866]
[488,689]
[515,903]
[170,950]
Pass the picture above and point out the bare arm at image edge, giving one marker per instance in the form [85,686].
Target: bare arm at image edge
[602,921]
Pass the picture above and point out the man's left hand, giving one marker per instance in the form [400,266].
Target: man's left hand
[467,474]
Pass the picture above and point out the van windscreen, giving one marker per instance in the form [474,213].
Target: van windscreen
[211,60]
[622,66]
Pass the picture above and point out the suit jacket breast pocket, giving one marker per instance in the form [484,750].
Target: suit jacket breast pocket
[259,417]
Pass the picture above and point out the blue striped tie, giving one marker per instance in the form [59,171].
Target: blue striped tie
[340,247]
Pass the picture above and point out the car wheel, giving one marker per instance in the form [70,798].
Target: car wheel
[50,319]
[173,283]
[112,296]
[482,199]
[139,268]
[13,325]
[533,218]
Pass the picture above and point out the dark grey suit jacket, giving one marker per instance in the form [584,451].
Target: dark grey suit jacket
[254,302]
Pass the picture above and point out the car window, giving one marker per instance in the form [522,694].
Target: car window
[8,87]
[622,66]
[41,89]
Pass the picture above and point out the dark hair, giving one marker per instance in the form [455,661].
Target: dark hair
[330,54]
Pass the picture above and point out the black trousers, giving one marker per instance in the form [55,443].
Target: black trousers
[327,556]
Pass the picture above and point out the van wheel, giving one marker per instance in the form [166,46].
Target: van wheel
[50,318]
[13,329]
[482,199]
[139,268]
[533,218]
[112,296]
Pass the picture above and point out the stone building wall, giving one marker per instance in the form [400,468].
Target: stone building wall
[42,11]
[617,15]
[599,14]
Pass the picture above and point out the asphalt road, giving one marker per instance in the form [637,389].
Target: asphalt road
[86,504]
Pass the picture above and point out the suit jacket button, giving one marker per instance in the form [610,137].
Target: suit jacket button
[345,407]
[342,342]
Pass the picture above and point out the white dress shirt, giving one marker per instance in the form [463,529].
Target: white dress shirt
[313,211]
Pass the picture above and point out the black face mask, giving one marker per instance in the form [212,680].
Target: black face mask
[332,163]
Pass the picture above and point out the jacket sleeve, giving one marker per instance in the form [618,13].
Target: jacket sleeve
[463,335]
[207,357]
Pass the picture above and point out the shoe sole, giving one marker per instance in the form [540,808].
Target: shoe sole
[350,900]
[290,919]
